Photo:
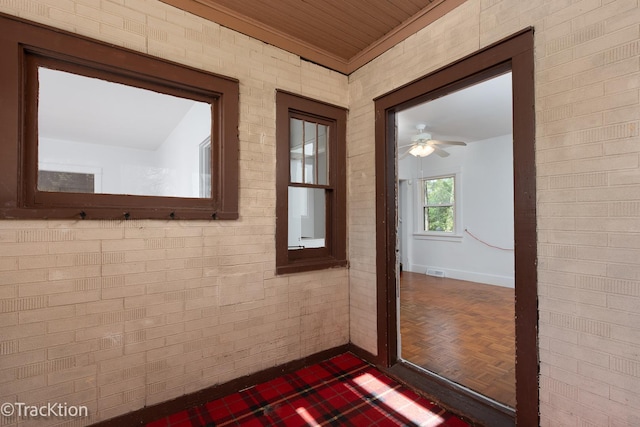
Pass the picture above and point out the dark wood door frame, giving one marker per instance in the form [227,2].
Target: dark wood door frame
[516,54]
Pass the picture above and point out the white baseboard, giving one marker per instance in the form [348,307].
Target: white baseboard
[489,279]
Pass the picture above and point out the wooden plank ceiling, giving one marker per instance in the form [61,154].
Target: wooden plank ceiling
[342,35]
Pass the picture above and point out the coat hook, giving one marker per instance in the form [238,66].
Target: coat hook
[126,215]
[172,215]
[83,214]
[213,215]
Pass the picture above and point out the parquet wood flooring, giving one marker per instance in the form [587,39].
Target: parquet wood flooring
[463,331]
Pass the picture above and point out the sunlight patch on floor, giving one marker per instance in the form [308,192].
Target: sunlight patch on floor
[397,402]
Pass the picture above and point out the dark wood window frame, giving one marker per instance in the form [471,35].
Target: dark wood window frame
[24,46]
[289,106]
[515,54]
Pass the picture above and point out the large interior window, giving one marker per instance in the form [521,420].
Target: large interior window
[147,145]
[311,220]
[93,131]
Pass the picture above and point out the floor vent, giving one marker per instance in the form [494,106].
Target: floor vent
[435,273]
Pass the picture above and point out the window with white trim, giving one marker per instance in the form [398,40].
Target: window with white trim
[438,205]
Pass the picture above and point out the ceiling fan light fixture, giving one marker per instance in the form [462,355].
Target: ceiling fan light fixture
[421,150]
[421,137]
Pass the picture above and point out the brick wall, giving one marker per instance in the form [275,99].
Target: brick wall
[116,315]
[587,59]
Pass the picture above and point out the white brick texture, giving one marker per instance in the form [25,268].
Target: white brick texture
[118,315]
[587,76]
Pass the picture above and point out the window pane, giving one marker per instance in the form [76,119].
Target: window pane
[307,218]
[439,191]
[308,152]
[296,147]
[310,147]
[147,146]
[438,218]
[323,154]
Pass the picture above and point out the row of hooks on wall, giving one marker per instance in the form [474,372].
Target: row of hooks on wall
[127,215]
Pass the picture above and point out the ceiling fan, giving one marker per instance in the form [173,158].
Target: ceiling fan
[422,145]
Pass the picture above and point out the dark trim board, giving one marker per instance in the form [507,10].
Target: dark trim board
[515,54]
[151,413]
[363,354]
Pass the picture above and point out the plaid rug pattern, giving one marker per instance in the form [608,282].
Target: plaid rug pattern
[342,391]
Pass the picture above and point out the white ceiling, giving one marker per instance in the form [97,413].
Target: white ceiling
[83,109]
[475,113]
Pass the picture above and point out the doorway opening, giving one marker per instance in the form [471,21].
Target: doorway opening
[455,238]
[437,217]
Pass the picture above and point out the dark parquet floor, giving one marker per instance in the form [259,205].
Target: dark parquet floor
[461,330]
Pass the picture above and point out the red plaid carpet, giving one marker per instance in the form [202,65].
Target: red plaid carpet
[343,391]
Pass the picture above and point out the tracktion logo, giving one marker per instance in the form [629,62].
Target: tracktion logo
[49,410]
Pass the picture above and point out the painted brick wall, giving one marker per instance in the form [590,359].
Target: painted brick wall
[587,59]
[116,315]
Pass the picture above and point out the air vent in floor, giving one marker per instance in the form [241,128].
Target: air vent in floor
[435,273]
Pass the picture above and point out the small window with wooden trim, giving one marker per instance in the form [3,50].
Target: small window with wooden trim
[311,184]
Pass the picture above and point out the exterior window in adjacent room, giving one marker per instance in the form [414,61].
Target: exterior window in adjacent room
[438,210]
[439,204]
[93,131]
[311,211]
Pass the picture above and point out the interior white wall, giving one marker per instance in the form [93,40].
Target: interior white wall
[306,217]
[297,203]
[171,169]
[487,211]
[179,154]
[111,162]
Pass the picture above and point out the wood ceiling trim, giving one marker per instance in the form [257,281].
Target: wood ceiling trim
[253,28]
[330,28]
[426,16]
[257,30]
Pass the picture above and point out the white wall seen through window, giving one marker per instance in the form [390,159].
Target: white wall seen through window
[148,145]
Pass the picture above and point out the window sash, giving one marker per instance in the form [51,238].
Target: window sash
[309,151]
[306,172]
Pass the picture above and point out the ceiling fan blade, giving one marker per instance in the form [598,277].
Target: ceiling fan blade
[405,154]
[406,145]
[439,151]
[438,142]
